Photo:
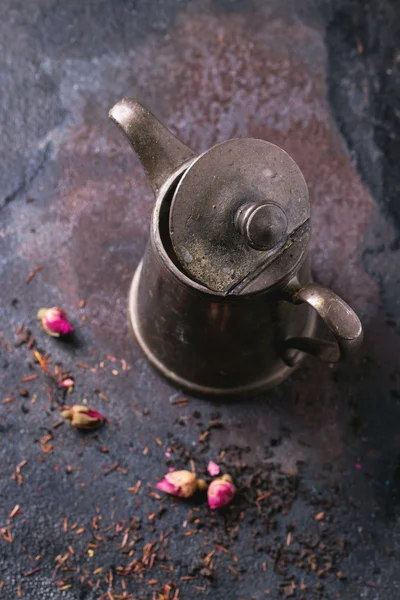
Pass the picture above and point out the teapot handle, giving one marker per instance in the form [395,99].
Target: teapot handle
[340,319]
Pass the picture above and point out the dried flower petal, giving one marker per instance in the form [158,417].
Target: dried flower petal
[179,483]
[83,417]
[213,469]
[42,360]
[54,321]
[221,492]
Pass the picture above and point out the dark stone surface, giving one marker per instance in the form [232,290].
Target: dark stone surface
[320,79]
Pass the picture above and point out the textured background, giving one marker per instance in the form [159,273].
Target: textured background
[321,79]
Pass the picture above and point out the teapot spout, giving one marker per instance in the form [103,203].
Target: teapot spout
[159,151]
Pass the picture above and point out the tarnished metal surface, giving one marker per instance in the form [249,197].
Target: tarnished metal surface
[208,245]
[212,71]
[184,305]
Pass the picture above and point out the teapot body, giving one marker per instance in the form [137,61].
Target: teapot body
[211,344]
[222,302]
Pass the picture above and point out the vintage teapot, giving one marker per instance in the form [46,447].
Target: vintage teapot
[222,302]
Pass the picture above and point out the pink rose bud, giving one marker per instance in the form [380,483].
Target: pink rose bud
[179,483]
[213,469]
[67,382]
[83,417]
[220,492]
[54,321]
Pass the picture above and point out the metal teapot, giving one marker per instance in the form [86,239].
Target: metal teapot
[223,302]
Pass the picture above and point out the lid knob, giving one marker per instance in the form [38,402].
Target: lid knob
[263,226]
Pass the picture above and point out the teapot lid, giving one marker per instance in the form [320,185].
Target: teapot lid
[240,210]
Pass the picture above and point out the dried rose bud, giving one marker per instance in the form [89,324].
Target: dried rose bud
[67,382]
[179,483]
[213,469]
[83,417]
[54,321]
[221,491]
